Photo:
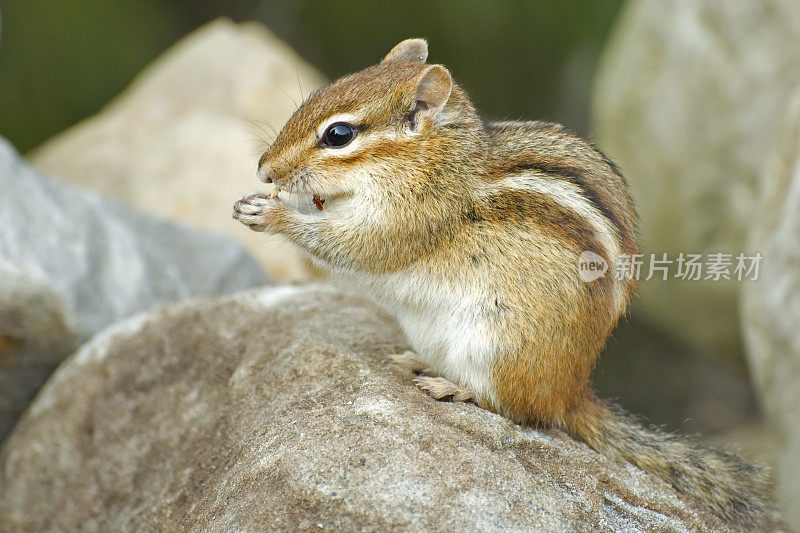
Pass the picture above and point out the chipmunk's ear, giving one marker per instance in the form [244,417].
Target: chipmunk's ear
[433,89]
[431,94]
[415,50]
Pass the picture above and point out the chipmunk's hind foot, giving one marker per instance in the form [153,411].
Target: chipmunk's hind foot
[408,361]
[434,386]
[439,388]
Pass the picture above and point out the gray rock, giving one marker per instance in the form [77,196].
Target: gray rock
[771,306]
[71,263]
[272,410]
[688,100]
[183,141]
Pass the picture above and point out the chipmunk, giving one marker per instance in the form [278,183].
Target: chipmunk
[470,233]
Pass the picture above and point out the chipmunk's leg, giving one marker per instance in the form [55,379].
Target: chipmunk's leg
[439,388]
[409,361]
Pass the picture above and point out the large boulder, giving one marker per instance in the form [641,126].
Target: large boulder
[71,263]
[771,307]
[273,410]
[688,101]
[183,140]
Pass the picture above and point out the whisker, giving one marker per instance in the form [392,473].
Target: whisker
[260,139]
[256,152]
[260,127]
[296,107]
[268,123]
[308,193]
[296,196]
[299,85]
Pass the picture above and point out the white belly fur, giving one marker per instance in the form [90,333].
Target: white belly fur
[443,325]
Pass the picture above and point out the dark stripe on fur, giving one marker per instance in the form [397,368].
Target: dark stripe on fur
[573,175]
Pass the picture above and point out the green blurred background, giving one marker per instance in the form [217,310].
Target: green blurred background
[62,60]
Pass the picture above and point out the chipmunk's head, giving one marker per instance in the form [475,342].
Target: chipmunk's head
[388,127]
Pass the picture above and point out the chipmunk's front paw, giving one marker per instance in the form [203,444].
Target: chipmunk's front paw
[258,212]
[441,389]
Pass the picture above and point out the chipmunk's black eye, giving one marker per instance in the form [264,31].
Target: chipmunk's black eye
[338,135]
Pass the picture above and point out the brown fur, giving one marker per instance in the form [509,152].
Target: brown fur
[553,150]
[440,209]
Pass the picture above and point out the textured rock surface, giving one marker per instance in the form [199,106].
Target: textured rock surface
[771,310]
[72,263]
[688,100]
[272,410]
[180,142]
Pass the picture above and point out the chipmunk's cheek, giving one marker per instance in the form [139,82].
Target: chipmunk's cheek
[260,212]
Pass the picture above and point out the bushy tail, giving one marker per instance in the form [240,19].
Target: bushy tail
[736,491]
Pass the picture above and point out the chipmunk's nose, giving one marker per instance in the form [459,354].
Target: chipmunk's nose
[261,175]
[271,171]
[264,172]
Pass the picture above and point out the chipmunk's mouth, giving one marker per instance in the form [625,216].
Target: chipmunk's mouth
[297,199]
